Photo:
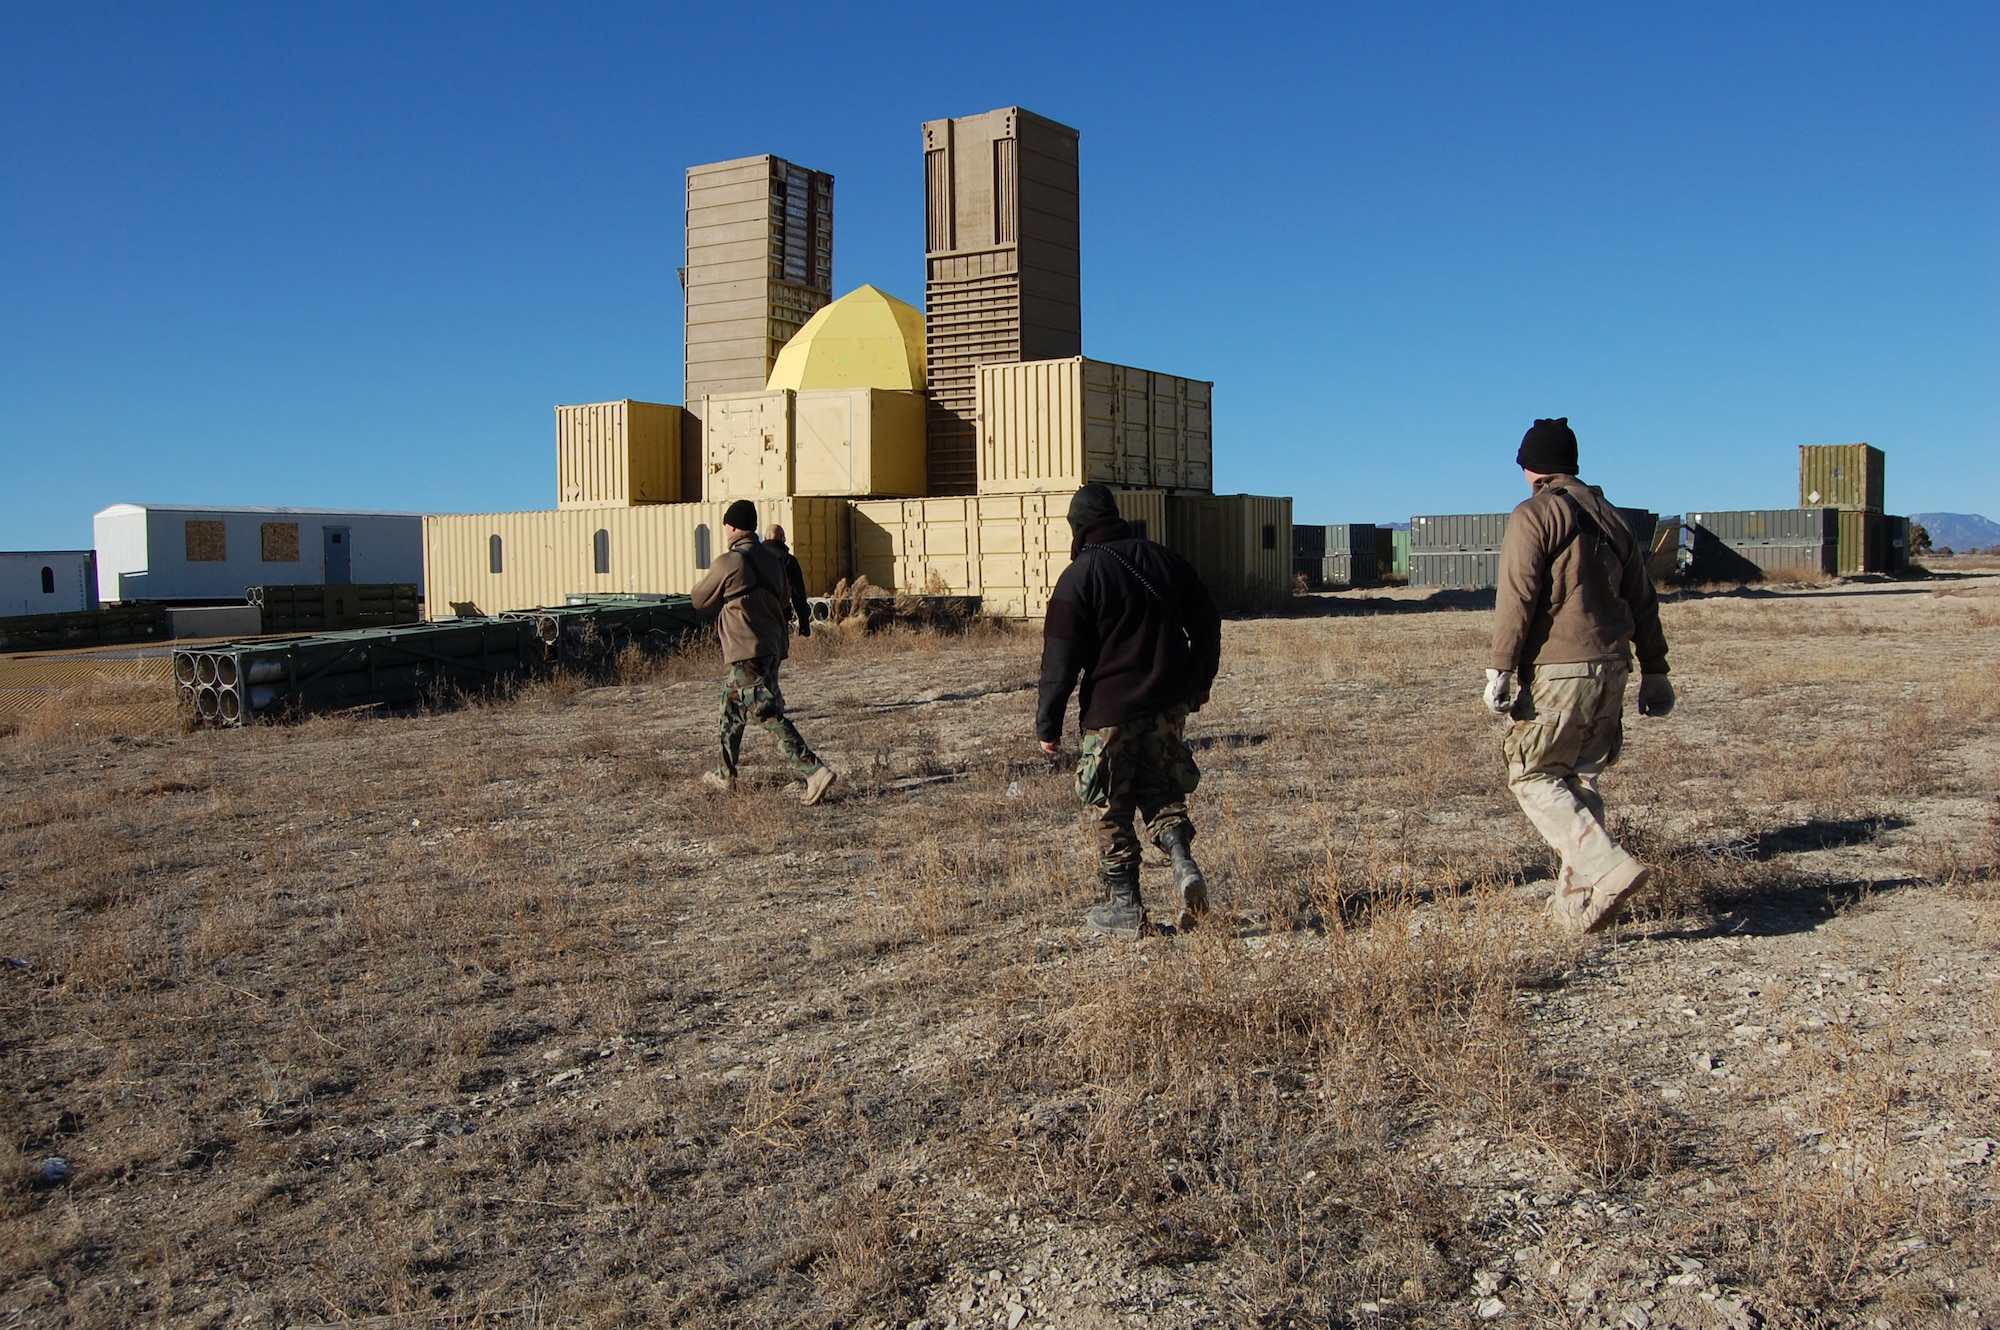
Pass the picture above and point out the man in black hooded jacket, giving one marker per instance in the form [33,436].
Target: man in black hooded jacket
[1133,619]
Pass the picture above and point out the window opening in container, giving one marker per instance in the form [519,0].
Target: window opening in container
[1270,537]
[600,548]
[493,554]
[48,581]
[701,559]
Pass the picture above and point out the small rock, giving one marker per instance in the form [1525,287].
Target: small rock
[1486,1282]
[1016,1314]
[1013,789]
[1492,1309]
[52,1172]
[565,1077]
[1635,1316]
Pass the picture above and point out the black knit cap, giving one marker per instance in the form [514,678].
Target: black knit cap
[742,515]
[1548,448]
[1093,504]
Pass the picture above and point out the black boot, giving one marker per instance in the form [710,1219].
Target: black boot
[1177,841]
[1122,915]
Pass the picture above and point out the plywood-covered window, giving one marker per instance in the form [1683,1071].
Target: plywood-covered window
[600,551]
[1270,537]
[281,542]
[205,541]
[493,564]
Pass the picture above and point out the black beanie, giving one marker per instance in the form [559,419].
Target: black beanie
[1549,448]
[1093,504]
[742,515]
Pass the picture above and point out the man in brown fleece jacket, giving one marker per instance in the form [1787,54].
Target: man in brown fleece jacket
[1575,604]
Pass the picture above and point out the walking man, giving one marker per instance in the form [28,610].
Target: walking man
[1133,619]
[1575,604]
[748,582]
[795,578]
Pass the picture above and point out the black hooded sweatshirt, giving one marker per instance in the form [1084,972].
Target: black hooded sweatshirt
[1138,653]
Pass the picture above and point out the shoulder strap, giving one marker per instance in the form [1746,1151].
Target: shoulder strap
[1172,610]
[756,577]
[1585,522]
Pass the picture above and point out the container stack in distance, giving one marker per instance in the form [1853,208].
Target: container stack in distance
[1852,477]
[1344,554]
[1751,544]
[1461,552]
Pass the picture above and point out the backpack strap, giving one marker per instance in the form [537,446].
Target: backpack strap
[1172,610]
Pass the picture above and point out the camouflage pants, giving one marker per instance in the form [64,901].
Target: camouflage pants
[1569,725]
[751,693]
[1142,767]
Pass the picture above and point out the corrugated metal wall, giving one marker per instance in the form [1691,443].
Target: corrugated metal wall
[614,453]
[1842,475]
[1472,532]
[1002,277]
[656,548]
[818,441]
[1007,549]
[1054,425]
[759,264]
[1241,544]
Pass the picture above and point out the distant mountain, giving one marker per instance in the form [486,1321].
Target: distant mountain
[1959,531]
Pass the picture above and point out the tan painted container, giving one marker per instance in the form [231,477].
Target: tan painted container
[1007,549]
[1241,544]
[614,454]
[1842,475]
[848,442]
[1057,425]
[1002,276]
[759,265]
[483,563]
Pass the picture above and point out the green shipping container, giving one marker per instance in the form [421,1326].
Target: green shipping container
[1841,475]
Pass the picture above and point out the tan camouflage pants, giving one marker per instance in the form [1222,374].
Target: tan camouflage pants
[1142,767]
[1569,725]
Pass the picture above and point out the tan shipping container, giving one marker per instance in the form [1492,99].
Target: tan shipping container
[1048,425]
[1841,475]
[1007,549]
[613,454]
[1241,544]
[851,442]
[483,563]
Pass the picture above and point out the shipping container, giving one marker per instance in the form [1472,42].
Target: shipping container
[486,563]
[1898,542]
[1344,554]
[1841,475]
[1057,425]
[108,626]
[1455,570]
[1767,526]
[1308,544]
[1664,560]
[1864,543]
[1002,271]
[209,555]
[1462,532]
[1340,570]
[1007,549]
[1239,543]
[47,582]
[759,265]
[609,454]
[1751,544]
[851,442]
[1393,551]
[1645,524]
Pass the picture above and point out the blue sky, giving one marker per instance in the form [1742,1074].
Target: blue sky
[352,255]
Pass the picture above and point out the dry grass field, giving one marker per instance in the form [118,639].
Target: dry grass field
[492,1016]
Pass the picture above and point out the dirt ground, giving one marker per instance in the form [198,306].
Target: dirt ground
[492,1016]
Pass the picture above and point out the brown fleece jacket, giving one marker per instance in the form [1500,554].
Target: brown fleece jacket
[747,581]
[1574,591]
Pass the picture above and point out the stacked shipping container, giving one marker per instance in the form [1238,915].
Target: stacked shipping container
[1751,544]
[1345,554]
[1001,283]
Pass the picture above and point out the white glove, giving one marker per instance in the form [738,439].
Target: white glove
[1500,692]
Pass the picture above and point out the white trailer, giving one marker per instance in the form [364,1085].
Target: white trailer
[155,552]
[47,582]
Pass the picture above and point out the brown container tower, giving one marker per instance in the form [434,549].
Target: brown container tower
[759,264]
[1002,275]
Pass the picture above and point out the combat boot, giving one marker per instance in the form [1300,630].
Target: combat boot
[1608,896]
[1122,915]
[1177,840]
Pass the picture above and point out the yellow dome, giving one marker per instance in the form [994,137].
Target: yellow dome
[865,339]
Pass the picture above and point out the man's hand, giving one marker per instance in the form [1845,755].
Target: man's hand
[1051,747]
[806,628]
[1499,697]
[1656,695]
